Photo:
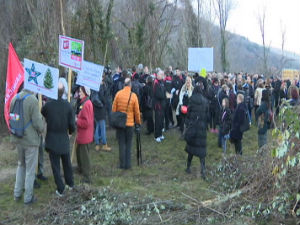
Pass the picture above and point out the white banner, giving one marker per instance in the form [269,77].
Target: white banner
[200,58]
[40,78]
[90,75]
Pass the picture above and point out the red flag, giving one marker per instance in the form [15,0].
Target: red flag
[14,79]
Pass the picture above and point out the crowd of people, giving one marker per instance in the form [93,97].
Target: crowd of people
[223,104]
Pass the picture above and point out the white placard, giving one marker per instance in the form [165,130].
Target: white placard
[200,58]
[90,75]
[41,79]
[71,52]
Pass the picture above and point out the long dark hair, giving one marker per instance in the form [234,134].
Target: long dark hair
[266,97]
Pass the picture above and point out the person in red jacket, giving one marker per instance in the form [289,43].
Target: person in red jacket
[85,133]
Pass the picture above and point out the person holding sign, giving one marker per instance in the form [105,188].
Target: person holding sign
[85,133]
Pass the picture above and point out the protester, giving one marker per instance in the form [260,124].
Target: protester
[184,96]
[214,106]
[249,96]
[99,100]
[294,101]
[225,123]
[63,80]
[236,135]
[127,102]
[85,133]
[147,105]
[137,87]
[262,115]
[177,83]
[108,84]
[159,102]
[27,146]
[258,95]
[118,81]
[169,122]
[232,97]
[195,136]
[60,124]
[276,84]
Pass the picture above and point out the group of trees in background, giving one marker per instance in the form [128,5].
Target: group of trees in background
[156,33]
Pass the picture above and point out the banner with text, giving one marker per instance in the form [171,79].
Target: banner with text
[90,75]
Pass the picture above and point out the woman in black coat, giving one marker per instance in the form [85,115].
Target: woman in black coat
[236,135]
[147,105]
[99,100]
[195,136]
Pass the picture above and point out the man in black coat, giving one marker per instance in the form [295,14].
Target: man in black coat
[236,135]
[159,102]
[60,124]
[195,136]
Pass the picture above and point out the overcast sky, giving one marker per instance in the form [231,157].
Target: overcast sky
[243,21]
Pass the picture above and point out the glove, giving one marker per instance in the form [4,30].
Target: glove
[173,90]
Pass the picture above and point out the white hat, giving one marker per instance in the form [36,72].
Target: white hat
[87,90]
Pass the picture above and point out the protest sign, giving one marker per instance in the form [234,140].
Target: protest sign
[40,78]
[71,52]
[200,58]
[90,75]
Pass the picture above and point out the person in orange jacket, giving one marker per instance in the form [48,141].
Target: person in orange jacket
[126,101]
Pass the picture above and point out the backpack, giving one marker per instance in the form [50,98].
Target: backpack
[245,126]
[16,117]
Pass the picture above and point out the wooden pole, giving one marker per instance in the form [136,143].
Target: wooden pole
[69,75]
[40,108]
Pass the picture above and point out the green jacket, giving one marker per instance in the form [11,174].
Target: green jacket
[31,112]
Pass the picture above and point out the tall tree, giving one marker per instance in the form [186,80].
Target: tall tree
[223,8]
[261,17]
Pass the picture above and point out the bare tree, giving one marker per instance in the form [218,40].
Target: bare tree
[223,8]
[261,17]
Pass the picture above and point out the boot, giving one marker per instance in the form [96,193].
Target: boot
[203,169]
[97,148]
[106,148]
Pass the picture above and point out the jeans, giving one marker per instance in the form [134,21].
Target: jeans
[100,132]
[224,142]
[25,176]
[67,166]
[125,143]
[83,161]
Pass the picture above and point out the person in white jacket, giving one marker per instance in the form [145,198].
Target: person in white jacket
[258,94]
[185,93]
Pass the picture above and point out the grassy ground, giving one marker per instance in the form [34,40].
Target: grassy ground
[162,175]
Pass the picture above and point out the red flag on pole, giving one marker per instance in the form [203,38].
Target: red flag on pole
[14,79]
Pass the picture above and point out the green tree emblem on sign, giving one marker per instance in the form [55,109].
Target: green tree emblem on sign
[48,80]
